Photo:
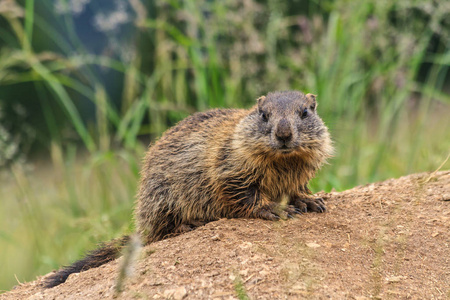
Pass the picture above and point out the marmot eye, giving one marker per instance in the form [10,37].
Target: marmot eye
[264,116]
[304,113]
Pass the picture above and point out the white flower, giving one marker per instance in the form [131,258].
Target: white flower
[75,7]
[112,21]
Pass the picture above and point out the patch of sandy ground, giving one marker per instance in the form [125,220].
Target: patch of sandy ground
[387,240]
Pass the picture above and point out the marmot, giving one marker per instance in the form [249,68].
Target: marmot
[226,163]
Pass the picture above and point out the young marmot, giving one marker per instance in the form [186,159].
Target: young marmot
[226,163]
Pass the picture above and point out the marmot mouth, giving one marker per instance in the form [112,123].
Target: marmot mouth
[285,149]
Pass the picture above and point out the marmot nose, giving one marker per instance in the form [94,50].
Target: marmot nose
[283,132]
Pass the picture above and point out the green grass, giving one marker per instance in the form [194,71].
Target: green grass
[45,210]
[239,288]
[380,89]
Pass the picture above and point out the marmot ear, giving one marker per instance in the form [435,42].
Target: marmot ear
[311,99]
[260,101]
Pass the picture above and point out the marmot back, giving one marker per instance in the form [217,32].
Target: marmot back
[226,163]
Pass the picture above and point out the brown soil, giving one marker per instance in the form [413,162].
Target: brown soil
[387,240]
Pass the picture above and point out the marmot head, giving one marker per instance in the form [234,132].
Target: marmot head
[287,123]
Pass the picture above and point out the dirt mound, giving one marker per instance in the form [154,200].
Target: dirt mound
[382,240]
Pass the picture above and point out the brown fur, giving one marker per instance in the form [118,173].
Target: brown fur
[233,163]
[226,164]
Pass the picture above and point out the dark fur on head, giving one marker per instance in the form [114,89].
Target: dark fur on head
[290,122]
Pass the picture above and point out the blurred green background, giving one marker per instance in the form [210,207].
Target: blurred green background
[85,86]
